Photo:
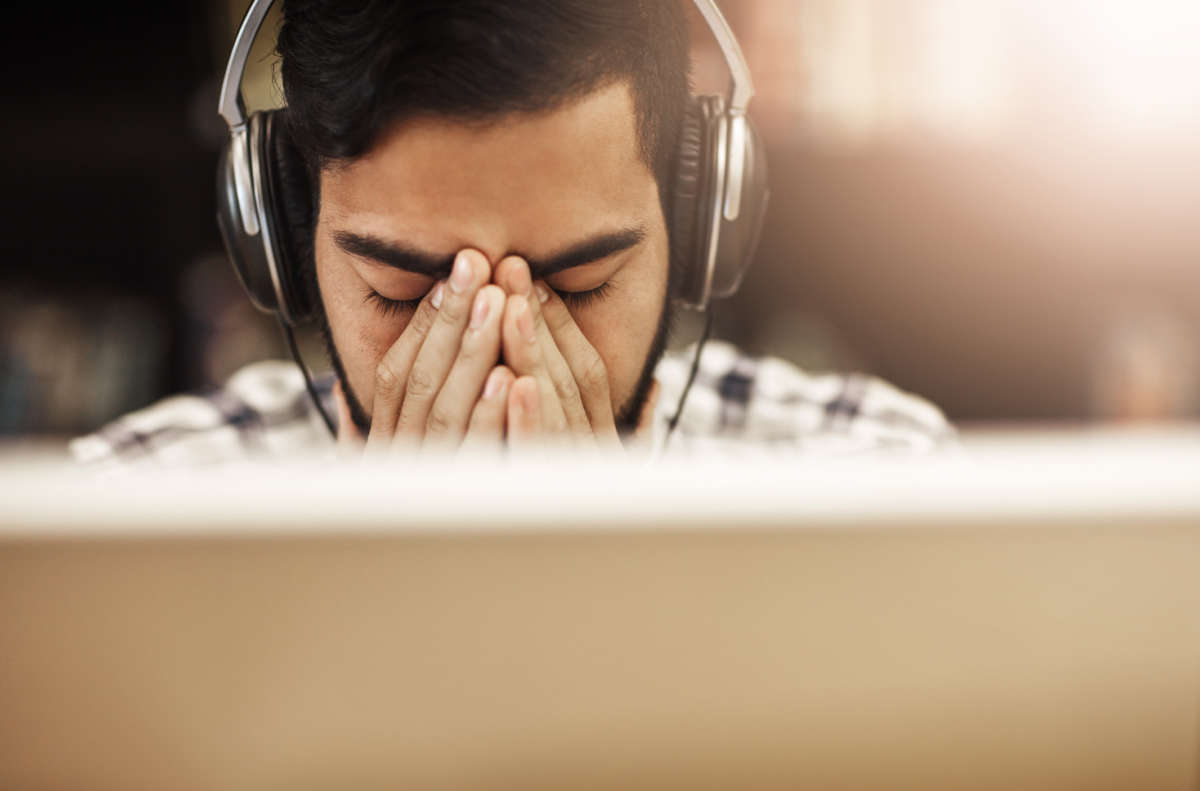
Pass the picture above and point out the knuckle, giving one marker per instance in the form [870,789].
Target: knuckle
[595,376]
[405,424]
[439,421]
[565,387]
[387,383]
[420,383]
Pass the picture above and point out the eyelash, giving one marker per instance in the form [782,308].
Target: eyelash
[581,299]
[572,299]
[392,307]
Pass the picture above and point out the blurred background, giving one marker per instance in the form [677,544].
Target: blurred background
[991,203]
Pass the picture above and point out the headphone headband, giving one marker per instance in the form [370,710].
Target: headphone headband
[232,107]
[742,89]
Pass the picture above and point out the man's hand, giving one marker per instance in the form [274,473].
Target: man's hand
[562,390]
[439,384]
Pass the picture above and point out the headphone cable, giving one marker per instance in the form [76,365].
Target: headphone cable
[687,387]
[290,339]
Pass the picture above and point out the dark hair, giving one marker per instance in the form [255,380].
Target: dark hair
[353,68]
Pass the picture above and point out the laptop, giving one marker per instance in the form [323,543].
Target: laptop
[1024,614]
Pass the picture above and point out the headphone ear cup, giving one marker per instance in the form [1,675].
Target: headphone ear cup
[738,239]
[687,222]
[288,205]
[245,251]
[701,168]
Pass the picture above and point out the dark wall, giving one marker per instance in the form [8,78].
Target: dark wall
[106,173]
[107,197]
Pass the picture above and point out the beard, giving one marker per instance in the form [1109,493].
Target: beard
[626,415]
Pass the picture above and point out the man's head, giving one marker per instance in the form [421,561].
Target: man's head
[545,129]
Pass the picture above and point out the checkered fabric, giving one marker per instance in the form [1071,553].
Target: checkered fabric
[738,404]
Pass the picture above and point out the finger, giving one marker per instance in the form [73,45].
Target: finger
[512,274]
[561,376]
[391,373]
[583,363]
[349,439]
[433,362]
[485,432]
[524,413]
[477,356]
[523,353]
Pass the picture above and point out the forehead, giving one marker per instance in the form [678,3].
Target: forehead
[525,182]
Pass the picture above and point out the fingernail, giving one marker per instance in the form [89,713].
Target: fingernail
[460,275]
[479,312]
[542,294]
[495,383]
[525,324]
[439,291]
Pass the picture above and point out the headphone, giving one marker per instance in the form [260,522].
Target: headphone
[715,209]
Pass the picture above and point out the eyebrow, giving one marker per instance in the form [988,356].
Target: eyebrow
[420,262]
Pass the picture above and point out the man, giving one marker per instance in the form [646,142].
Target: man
[486,238]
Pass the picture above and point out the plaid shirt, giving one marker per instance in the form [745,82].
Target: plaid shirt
[737,404]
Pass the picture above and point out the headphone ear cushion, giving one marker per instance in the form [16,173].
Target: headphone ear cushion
[686,203]
[289,200]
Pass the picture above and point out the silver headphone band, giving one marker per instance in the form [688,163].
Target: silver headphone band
[233,109]
[732,145]
[743,85]
[230,104]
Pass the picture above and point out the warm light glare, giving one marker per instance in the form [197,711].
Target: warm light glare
[1138,60]
[961,68]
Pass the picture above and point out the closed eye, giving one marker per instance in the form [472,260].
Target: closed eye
[581,299]
[392,307]
[573,299]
